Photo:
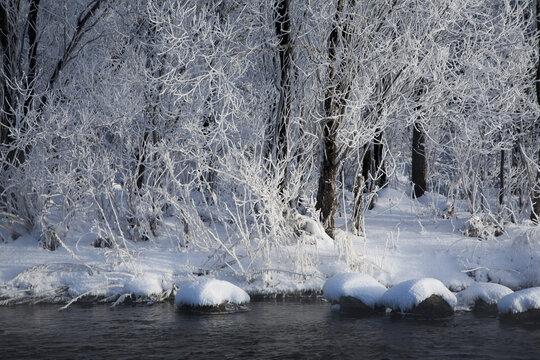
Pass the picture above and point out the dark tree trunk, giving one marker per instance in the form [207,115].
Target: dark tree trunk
[419,163]
[283,32]
[501,180]
[535,193]
[140,157]
[366,165]
[8,42]
[327,190]
[32,56]
[81,28]
[535,213]
[378,160]
[335,101]
[358,207]
[360,187]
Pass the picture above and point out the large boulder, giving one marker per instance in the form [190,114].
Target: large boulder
[211,296]
[523,305]
[425,298]
[354,293]
[482,297]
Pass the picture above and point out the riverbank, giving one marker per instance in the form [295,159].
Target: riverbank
[405,239]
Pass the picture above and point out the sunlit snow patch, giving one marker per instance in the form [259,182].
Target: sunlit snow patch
[521,304]
[58,282]
[482,296]
[426,297]
[211,295]
[353,291]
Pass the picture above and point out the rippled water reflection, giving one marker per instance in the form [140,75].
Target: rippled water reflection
[272,330]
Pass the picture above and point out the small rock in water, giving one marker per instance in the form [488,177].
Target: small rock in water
[523,305]
[480,306]
[354,293]
[225,308]
[482,297]
[425,298]
[352,305]
[434,307]
[212,296]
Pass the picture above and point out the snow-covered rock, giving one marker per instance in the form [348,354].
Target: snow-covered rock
[482,296]
[211,293]
[426,297]
[521,304]
[354,291]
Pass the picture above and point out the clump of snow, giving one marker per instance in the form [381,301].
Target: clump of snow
[315,230]
[408,294]
[360,286]
[210,292]
[490,293]
[145,284]
[520,301]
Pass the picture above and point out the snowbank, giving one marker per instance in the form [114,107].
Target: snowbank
[490,293]
[520,301]
[405,239]
[59,282]
[210,292]
[67,282]
[360,286]
[408,294]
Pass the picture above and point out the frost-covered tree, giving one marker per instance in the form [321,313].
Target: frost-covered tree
[40,41]
[484,96]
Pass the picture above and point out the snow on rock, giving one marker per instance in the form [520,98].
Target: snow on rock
[404,296]
[360,286]
[210,292]
[520,301]
[490,293]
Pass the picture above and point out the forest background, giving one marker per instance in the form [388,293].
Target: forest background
[241,128]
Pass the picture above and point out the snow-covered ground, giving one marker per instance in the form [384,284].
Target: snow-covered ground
[406,239]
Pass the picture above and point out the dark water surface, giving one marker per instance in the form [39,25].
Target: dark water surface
[271,330]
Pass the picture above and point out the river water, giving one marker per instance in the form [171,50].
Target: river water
[271,330]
